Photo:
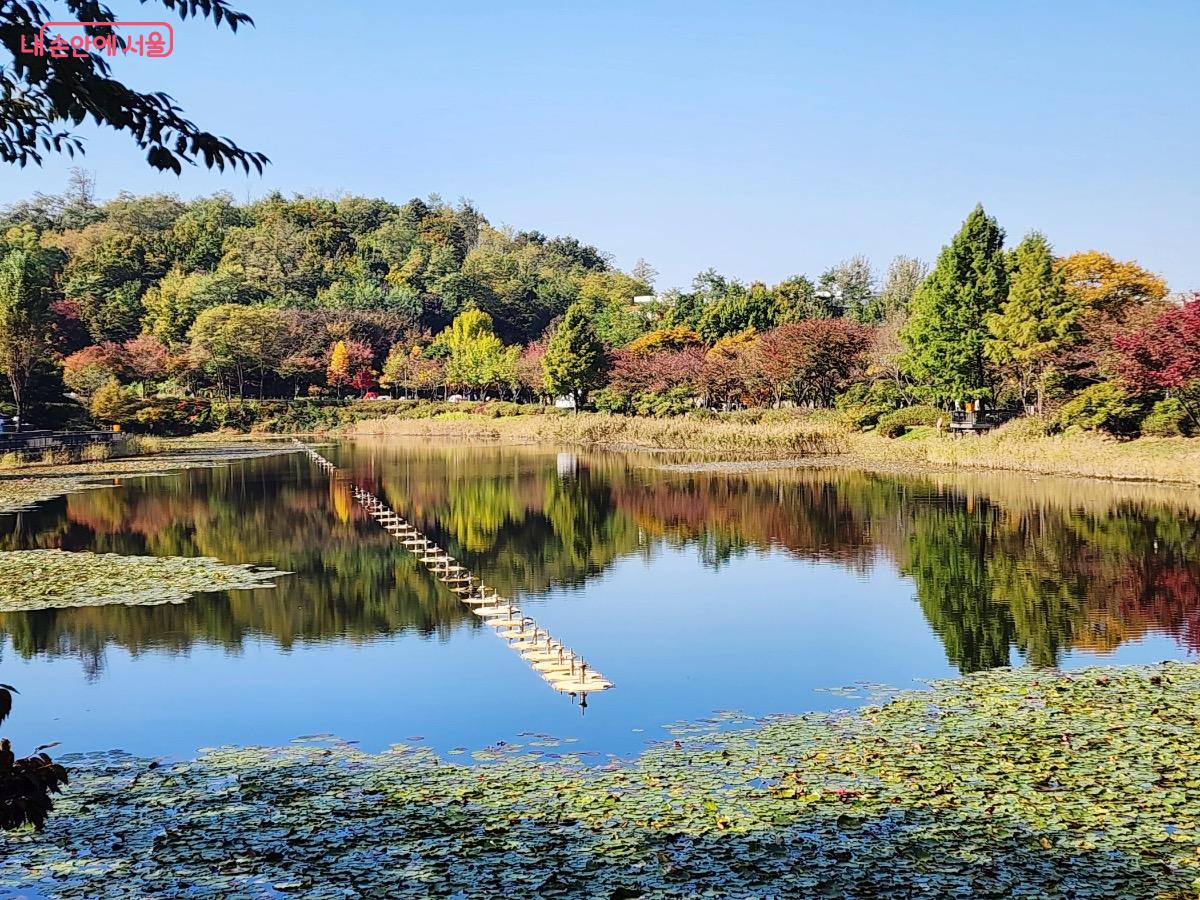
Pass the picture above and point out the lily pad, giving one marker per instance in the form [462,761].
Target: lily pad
[54,579]
[1010,783]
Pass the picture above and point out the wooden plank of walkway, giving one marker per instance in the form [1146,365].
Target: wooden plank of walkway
[559,666]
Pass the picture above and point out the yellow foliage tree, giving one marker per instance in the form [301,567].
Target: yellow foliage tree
[675,338]
[1098,282]
[109,403]
[338,372]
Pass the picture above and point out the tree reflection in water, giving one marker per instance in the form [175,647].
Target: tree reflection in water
[998,562]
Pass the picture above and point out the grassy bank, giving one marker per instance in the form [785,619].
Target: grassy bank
[1025,783]
[1008,448]
[761,436]
[820,439]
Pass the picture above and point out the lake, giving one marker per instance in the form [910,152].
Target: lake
[694,592]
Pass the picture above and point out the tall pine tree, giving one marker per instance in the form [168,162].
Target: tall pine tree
[947,331]
[1038,320]
[575,361]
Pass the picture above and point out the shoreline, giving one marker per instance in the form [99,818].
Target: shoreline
[876,465]
[23,488]
[802,442]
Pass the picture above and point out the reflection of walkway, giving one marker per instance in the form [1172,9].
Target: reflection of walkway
[558,665]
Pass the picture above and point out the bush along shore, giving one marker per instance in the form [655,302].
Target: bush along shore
[1009,783]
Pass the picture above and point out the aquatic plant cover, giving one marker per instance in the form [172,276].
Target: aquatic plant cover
[55,579]
[1010,783]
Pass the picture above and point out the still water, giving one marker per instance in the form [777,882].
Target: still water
[693,591]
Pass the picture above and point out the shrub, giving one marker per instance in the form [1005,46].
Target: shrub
[863,404]
[609,401]
[171,416]
[1167,418]
[896,423]
[238,415]
[1102,407]
[110,404]
[673,401]
[1024,428]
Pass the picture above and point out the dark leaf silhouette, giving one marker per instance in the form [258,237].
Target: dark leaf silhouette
[6,692]
[25,788]
[25,784]
[39,94]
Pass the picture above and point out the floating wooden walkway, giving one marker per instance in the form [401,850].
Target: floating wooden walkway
[558,665]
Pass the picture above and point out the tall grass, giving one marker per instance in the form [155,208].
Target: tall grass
[141,445]
[1014,448]
[758,437]
[785,434]
[95,453]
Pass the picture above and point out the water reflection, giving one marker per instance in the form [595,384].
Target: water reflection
[997,563]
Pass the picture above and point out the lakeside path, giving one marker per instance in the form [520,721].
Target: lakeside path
[1009,783]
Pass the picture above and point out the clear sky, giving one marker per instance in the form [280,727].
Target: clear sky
[763,139]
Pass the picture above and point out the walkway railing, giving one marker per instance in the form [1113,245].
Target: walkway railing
[32,441]
[558,665]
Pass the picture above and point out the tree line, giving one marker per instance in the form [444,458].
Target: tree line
[125,303]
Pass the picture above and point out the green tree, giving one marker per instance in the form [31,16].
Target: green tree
[1037,321]
[947,328]
[199,233]
[739,309]
[171,305]
[24,319]
[478,359]
[795,299]
[575,360]
[234,341]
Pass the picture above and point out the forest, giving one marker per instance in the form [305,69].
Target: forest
[168,316]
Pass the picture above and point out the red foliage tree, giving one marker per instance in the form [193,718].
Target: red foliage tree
[362,380]
[86,370]
[529,368]
[812,360]
[359,357]
[145,357]
[652,373]
[1165,353]
[68,331]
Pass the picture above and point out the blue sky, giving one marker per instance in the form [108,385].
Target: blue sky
[764,139]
